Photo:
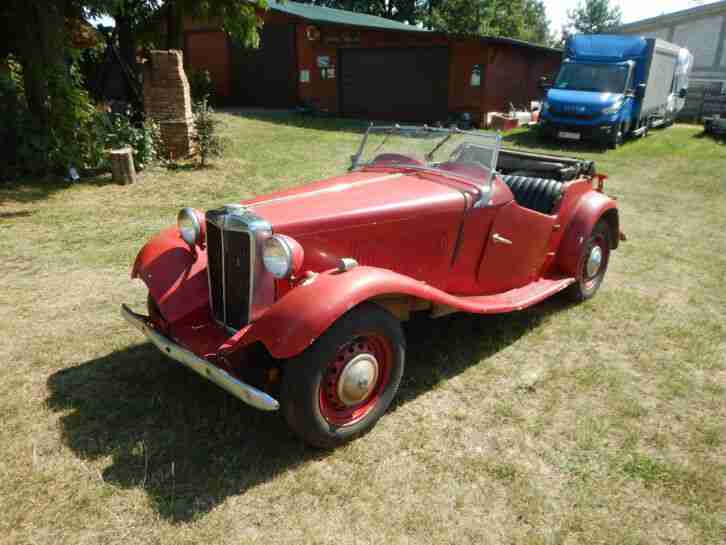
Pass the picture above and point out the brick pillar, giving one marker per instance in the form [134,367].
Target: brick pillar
[167,100]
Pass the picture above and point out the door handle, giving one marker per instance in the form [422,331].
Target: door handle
[501,240]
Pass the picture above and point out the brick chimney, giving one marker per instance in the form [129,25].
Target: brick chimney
[167,100]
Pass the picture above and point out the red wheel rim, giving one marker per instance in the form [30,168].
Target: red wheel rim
[364,348]
[591,279]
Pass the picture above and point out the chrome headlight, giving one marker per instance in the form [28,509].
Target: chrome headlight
[615,108]
[190,226]
[282,256]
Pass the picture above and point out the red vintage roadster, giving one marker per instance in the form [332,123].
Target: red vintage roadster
[298,296]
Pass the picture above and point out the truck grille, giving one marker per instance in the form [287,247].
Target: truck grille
[229,256]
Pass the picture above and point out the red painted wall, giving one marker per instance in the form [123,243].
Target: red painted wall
[510,73]
[209,50]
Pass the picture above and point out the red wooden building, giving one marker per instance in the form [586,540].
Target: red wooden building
[363,66]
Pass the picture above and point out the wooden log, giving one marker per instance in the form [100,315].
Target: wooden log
[122,166]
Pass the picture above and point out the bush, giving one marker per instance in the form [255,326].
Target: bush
[207,141]
[201,86]
[72,134]
[144,138]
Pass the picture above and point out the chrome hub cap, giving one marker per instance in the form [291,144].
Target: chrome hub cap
[594,261]
[358,379]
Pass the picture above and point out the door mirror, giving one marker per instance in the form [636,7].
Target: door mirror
[640,90]
[545,84]
[683,93]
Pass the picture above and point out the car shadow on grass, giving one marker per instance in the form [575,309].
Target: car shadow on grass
[190,445]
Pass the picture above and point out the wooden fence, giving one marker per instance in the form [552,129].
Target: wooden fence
[701,103]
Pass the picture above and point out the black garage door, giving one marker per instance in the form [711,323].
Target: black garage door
[266,76]
[405,84]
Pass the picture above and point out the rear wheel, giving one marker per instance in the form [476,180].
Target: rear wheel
[343,383]
[593,263]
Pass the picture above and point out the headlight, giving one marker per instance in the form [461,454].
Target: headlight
[282,256]
[615,108]
[190,226]
[545,107]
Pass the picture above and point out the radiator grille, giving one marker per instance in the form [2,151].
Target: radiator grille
[229,266]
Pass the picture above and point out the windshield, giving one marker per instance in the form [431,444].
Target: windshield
[472,154]
[598,78]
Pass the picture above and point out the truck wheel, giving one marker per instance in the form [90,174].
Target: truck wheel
[593,263]
[616,139]
[339,387]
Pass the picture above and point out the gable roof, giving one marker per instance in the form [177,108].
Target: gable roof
[320,14]
[699,11]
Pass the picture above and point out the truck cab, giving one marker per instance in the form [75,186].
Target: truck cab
[611,86]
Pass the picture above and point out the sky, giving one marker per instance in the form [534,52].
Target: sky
[633,10]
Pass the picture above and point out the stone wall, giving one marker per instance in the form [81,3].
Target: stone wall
[167,100]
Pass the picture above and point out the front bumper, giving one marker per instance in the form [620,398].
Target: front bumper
[244,392]
[591,131]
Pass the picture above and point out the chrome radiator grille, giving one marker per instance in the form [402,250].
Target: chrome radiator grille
[229,266]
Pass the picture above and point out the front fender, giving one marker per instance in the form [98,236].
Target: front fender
[296,320]
[593,207]
[175,275]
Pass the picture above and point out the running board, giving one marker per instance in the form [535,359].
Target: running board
[508,301]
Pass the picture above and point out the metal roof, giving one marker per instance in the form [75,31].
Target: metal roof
[320,14]
[704,10]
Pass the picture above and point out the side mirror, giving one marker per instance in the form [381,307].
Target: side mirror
[683,93]
[640,90]
[545,84]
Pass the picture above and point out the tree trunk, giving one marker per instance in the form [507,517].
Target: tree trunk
[41,48]
[126,41]
[122,166]
[174,25]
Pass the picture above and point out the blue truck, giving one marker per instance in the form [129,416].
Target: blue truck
[610,87]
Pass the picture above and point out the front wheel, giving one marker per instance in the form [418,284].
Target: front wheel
[616,138]
[339,387]
[593,263]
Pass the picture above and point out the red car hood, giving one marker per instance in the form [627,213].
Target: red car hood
[360,198]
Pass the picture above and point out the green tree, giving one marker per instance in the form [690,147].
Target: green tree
[519,19]
[409,11]
[593,17]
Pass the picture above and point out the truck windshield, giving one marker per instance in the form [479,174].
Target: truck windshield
[471,154]
[598,78]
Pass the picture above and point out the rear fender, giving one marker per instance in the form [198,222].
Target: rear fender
[175,275]
[296,320]
[593,207]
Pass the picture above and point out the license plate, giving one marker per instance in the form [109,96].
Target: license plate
[569,135]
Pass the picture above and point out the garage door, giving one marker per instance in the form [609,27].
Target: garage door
[267,76]
[404,84]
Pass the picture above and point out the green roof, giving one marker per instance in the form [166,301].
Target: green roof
[320,14]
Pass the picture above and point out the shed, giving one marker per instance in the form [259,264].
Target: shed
[358,65]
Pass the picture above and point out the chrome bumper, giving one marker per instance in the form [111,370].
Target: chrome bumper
[244,392]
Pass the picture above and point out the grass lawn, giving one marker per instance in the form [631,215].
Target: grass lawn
[603,423]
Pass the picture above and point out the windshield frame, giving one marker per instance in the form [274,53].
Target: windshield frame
[490,140]
[626,82]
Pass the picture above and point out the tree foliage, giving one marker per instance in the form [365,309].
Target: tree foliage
[593,17]
[408,11]
[520,19]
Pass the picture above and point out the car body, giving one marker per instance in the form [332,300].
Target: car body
[611,86]
[299,294]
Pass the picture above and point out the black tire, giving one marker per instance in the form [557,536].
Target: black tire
[307,382]
[616,138]
[587,285]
